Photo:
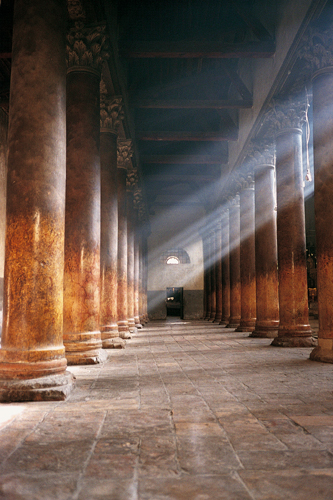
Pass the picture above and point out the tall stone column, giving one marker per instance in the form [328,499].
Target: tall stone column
[213,275]
[267,288]
[209,277]
[138,206]
[110,116]
[205,273]
[124,161]
[247,257]
[82,336]
[32,355]
[294,329]
[141,291]
[132,181]
[218,271]
[234,256]
[225,268]
[145,276]
[323,165]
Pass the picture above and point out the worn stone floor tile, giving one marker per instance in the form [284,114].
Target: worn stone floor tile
[270,460]
[61,457]
[108,489]
[223,487]
[37,487]
[280,485]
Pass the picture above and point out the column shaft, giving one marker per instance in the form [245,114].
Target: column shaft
[122,255]
[294,329]
[130,261]
[235,282]
[218,269]
[32,344]
[109,239]
[266,254]
[137,278]
[323,164]
[213,276]
[247,261]
[225,270]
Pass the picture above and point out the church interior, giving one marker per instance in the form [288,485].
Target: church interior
[166,249]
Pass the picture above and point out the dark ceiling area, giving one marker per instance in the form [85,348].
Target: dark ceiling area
[180,80]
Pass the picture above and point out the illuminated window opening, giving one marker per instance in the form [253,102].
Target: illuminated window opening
[172,260]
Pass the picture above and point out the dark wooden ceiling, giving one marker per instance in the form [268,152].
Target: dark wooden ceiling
[180,59]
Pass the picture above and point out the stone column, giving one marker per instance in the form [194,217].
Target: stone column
[124,161]
[141,312]
[132,181]
[225,269]
[247,257]
[205,273]
[145,276]
[82,336]
[138,206]
[209,277]
[110,117]
[234,255]
[212,275]
[218,271]
[267,288]
[323,194]
[32,355]
[294,329]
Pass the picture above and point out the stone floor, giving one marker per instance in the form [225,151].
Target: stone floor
[188,411]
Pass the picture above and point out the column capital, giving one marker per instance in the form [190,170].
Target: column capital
[247,181]
[286,113]
[86,47]
[132,180]
[124,153]
[111,111]
[316,50]
[262,153]
[75,10]
[234,201]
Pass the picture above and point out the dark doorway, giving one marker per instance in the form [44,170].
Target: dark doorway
[174,301]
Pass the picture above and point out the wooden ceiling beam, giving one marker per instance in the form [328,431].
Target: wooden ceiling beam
[183,159]
[186,136]
[191,104]
[172,179]
[194,49]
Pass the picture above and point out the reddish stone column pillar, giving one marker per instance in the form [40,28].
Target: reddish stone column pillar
[267,287]
[141,312]
[235,282]
[132,180]
[323,165]
[205,273]
[213,276]
[82,336]
[294,329]
[209,278]
[145,277]
[225,269]
[218,272]
[247,257]
[124,160]
[111,114]
[32,357]
[137,277]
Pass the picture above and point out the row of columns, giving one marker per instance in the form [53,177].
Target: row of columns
[75,261]
[268,294]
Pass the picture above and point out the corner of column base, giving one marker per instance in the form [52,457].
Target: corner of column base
[133,329]
[321,354]
[139,326]
[86,358]
[50,388]
[244,328]
[232,325]
[114,343]
[125,335]
[223,322]
[264,334]
[294,342]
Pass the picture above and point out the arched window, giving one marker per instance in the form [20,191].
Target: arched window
[172,260]
[175,256]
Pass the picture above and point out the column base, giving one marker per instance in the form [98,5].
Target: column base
[217,319]
[294,342]
[246,326]
[124,332]
[233,323]
[266,330]
[84,348]
[224,322]
[212,319]
[108,334]
[114,343]
[323,352]
[49,388]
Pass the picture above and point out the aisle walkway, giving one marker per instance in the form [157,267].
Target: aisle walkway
[188,411]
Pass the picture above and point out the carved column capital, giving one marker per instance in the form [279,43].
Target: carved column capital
[262,153]
[86,46]
[285,114]
[246,181]
[124,153]
[75,10]
[316,50]
[111,111]
[132,180]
